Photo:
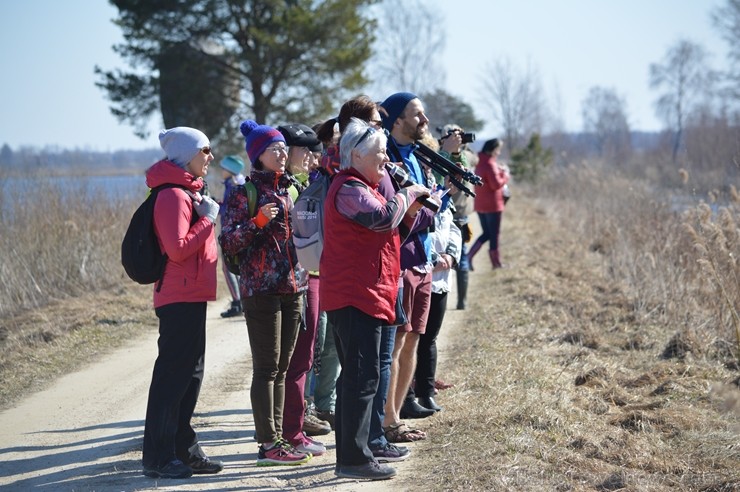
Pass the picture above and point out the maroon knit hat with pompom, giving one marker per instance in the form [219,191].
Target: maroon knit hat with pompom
[258,138]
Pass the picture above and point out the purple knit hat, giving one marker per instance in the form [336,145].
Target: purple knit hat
[258,138]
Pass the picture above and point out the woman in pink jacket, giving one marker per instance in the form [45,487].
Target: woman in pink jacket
[184,222]
[489,200]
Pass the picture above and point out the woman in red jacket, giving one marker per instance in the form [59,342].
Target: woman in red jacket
[489,200]
[360,267]
[184,222]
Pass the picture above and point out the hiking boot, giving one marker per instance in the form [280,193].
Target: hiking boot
[390,452]
[314,426]
[369,471]
[234,310]
[197,460]
[309,446]
[202,465]
[326,416]
[280,454]
[173,469]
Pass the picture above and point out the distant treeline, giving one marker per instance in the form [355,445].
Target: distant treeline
[63,161]
[31,159]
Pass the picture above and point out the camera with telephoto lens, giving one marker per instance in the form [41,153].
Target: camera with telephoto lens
[466,137]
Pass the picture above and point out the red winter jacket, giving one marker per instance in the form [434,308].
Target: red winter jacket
[190,274]
[489,198]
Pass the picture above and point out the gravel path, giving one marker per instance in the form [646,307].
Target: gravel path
[84,433]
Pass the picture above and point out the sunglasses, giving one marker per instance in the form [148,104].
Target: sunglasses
[370,130]
[206,150]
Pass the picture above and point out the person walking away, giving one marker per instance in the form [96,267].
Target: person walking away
[184,223]
[232,169]
[489,200]
[271,283]
[361,228]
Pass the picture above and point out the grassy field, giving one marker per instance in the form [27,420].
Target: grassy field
[603,358]
[565,382]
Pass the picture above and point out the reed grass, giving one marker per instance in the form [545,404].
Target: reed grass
[58,243]
[677,259]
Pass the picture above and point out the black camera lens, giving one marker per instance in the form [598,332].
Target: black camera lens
[468,138]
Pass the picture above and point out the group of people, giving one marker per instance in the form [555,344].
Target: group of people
[351,346]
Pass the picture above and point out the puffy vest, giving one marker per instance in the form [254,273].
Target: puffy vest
[359,267]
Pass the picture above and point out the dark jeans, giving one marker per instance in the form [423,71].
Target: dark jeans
[426,352]
[377,438]
[491,225]
[272,324]
[357,337]
[176,380]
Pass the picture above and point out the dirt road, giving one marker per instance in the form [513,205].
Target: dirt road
[85,432]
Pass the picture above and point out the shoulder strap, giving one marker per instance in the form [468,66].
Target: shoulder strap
[393,151]
[251,197]
[293,192]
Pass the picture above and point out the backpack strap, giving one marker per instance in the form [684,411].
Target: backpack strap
[293,192]
[251,197]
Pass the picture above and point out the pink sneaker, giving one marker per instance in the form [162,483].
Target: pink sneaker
[309,446]
[281,453]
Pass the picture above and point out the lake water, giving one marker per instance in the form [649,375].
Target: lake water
[123,187]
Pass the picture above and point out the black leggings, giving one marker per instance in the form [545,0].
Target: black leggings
[426,352]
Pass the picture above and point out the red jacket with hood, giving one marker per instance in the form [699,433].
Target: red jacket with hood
[190,273]
[489,198]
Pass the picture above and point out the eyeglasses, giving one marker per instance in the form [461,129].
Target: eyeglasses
[278,148]
[370,130]
[206,150]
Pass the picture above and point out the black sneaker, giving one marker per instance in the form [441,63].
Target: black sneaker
[234,310]
[202,465]
[390,452]
[173,469]
[369,471]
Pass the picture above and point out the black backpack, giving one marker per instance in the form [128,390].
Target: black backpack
[141,257]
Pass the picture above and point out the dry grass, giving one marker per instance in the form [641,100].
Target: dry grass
[58,243]
[561,379]
[39,345]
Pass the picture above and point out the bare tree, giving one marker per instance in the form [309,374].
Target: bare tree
[514,98]
[605,117]
[727,20]
[685,78]
[409,40]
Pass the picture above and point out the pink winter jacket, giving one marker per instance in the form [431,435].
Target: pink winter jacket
[190,274]
[489,198]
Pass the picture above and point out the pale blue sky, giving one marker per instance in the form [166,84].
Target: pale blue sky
[49,49]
